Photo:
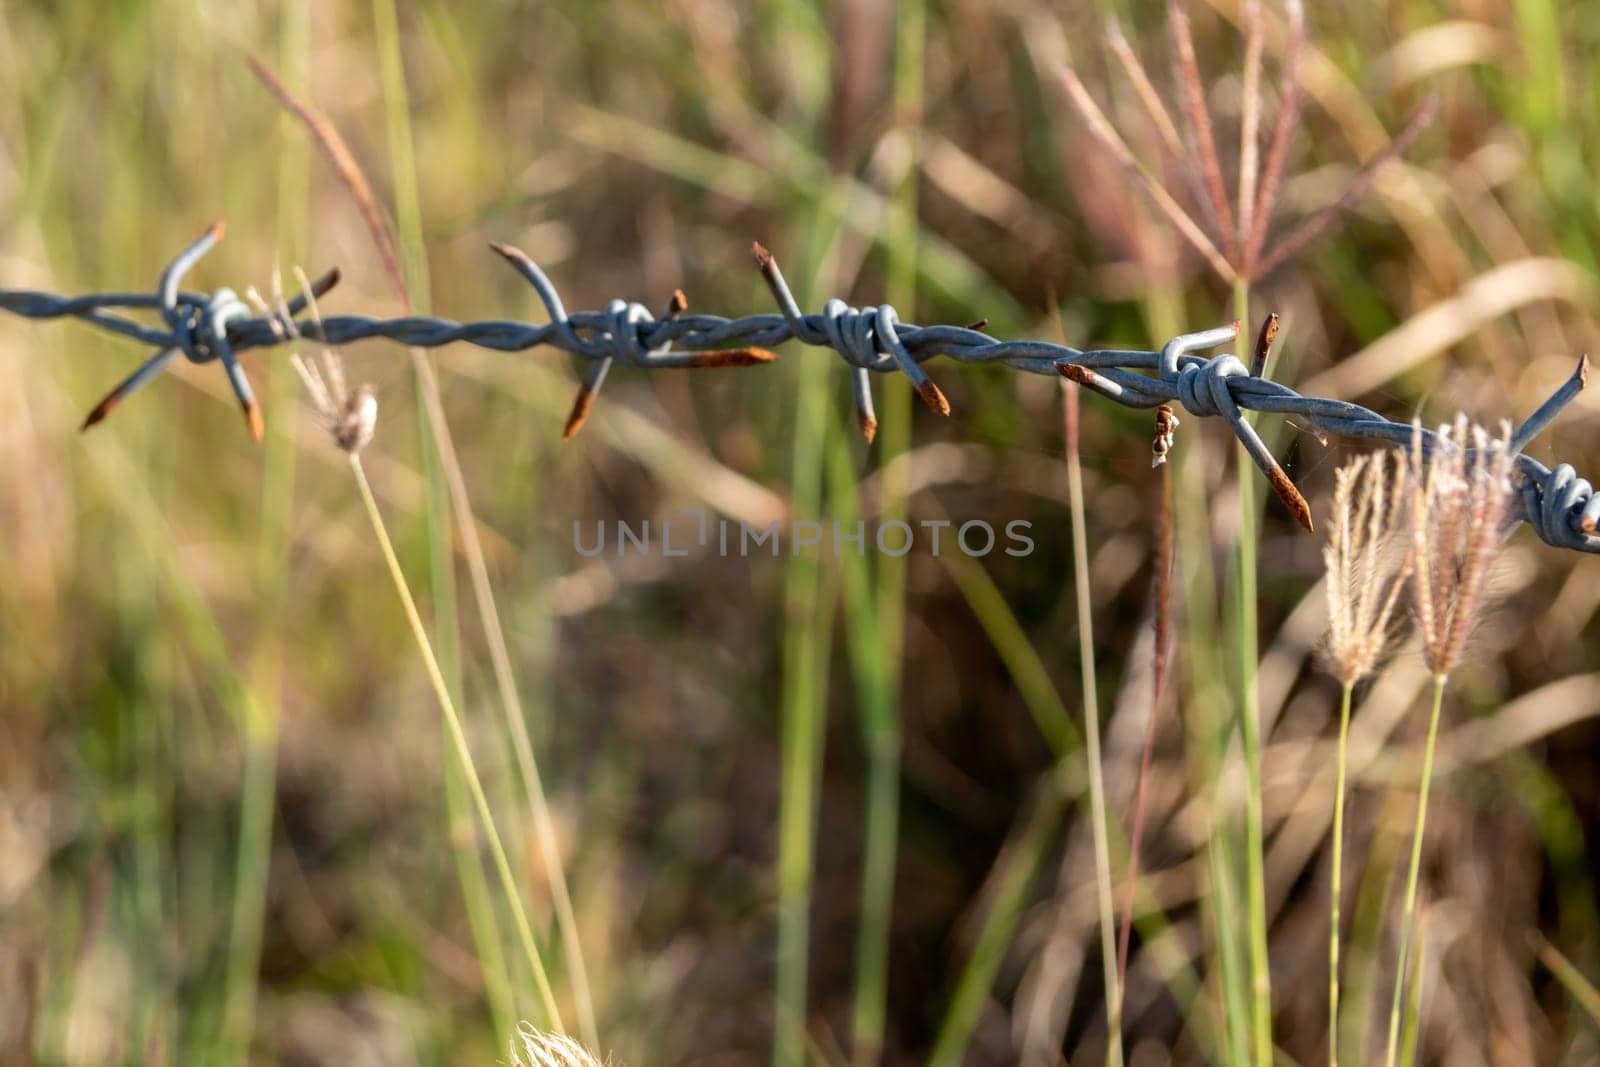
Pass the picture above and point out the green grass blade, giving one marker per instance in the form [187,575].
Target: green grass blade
[803,713]
[1091,731]
[1250,721]
[881,669]
[1583,992]
[1016,870]
[1408,915]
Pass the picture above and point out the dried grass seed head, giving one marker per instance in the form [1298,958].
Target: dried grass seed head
[1462,498]
[350,416]
[1368,560]
[1230,233]
[531,1047]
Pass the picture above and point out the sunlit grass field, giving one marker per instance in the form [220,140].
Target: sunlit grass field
[812,808]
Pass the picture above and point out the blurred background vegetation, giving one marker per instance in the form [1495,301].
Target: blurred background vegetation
[230,825]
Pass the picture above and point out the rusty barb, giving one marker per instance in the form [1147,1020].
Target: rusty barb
[1561,507]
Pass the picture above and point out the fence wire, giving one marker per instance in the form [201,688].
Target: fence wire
[1561,507]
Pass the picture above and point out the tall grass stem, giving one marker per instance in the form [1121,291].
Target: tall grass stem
[1408,916]
[445,466]
[1091,727]
[458,739]
[880,710]
[1009,887]
[258,791]
[1341,758]
[1250,727]
[803,711]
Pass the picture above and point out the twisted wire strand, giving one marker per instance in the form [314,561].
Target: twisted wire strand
[1562,508]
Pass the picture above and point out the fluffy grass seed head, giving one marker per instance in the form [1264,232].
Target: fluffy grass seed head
[531,1047]
[349,416]
[1461,503]
[1368,560]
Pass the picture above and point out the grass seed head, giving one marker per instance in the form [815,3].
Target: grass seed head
[1368,560]
[1461,503]
[349,416]
[535,1048]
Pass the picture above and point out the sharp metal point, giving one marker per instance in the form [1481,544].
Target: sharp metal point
[582,404]
[98,413]
[1264,341]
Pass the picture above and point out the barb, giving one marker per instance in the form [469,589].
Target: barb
[1562,508]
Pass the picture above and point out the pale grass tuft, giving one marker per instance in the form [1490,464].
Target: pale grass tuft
[1461,500]
[1367,562]
[350,416]
[531,1047]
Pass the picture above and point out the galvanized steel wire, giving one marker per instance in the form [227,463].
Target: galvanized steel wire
[1562,508]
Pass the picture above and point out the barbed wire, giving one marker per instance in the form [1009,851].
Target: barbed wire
[1561,507]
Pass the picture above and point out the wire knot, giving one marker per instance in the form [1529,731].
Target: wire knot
[621,338]
[200,330]
[1561,507]
[1203,387]
[858,334]
[862,338]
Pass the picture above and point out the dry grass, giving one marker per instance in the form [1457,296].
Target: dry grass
[1461,499]
[535,1048]
[1367,562]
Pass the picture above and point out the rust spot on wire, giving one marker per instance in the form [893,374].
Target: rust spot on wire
[731,357]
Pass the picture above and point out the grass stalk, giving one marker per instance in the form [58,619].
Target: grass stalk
[409,279]
[458,740]
[1341,760]
[1579,988]
[1091,729]
[803,714]
[1411,1026]
[1250,727]
[1408,916]
[1018,863]
[1220,865]
[232,1013]
[442,463]
[1012,884]
[478,900]
[1058,728]
[880,711]
[875,676]
[1162,612]
[258,788]
[258,791]
[1204,711]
